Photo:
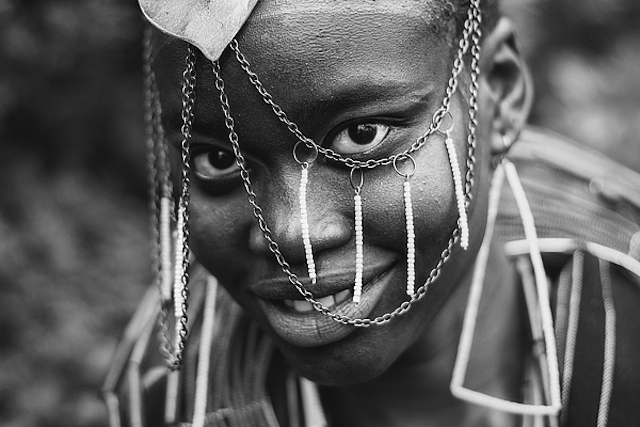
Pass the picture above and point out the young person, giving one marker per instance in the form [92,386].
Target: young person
[393,247]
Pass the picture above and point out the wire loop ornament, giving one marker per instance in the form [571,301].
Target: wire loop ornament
[458,389]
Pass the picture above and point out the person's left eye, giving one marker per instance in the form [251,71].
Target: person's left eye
[358,138]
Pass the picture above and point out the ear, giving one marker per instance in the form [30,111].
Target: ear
[508,91]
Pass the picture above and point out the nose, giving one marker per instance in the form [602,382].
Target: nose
[328,219]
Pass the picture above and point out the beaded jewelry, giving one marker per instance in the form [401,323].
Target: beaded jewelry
[408,215]
[463,221]
[172,277]
[470,40]
[304,219]
[358,231]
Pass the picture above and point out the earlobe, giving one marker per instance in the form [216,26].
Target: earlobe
[508,89]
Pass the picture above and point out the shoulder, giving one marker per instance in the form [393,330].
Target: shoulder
[586,211]
[574,192]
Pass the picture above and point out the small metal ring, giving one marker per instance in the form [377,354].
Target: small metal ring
[311,146]
[448,128]
[401,158]
[360,181]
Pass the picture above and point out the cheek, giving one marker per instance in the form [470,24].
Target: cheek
[432,198]
[219,235]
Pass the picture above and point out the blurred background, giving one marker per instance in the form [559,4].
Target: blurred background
[73,230]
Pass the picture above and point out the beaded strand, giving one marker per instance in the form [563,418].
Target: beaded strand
[358,231]
[166,208]
[408,216]
[302,195]
[357,287]
[463,221]
[304,224]
[411,246]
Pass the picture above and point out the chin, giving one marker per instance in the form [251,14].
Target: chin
[362,356]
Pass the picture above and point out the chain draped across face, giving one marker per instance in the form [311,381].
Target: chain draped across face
[304,153]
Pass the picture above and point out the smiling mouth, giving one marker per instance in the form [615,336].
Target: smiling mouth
[330,301]
[299,323]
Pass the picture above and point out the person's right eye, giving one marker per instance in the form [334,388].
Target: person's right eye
[215,169]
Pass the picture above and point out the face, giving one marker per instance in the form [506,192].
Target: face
[364,79]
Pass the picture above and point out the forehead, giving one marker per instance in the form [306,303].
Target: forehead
[429,12]
[311,52]
[339,21]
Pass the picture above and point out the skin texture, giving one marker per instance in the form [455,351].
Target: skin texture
[331,66]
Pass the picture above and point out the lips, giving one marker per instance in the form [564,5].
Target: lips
[298,323]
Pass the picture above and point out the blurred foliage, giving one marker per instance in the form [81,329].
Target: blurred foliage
[73,251]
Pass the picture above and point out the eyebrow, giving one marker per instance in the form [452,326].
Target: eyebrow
[367,98]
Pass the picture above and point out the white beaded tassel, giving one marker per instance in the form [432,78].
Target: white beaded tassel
[304,224]
[166,207]
[357,287]
[459,192]
[411,246]
[178,287]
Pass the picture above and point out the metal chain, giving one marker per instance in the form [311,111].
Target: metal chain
[158,177]
[188,102]
[160,186]
[475,17]
[471,31]
[273,245]
[470,27]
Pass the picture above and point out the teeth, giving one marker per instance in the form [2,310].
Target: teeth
[302,306]
[342,296]
[327,301]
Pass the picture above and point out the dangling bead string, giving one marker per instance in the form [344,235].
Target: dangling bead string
[166,254]
[408,215]
[166,200]
[461,201]
[304,218]
[357,180]
[411,248]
